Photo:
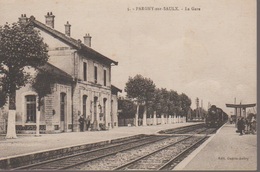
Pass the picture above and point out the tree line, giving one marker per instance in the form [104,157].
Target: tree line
[143,98]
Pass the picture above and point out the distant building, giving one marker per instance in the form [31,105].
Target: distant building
[85,88]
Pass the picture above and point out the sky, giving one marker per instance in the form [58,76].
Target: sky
[209,53]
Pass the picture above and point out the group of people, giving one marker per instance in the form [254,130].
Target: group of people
[246,126]
[83,121]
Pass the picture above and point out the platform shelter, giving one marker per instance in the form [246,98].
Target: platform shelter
[240,108]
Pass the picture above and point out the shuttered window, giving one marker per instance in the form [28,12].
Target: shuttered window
[84,71]
[96,74]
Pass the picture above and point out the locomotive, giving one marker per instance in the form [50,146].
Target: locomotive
[215,117]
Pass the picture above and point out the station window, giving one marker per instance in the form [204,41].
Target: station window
[84,106]
[84,71]
[105,77]
[62,106]
[31,108]
[96,74]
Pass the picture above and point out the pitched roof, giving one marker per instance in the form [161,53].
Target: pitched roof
[241,105]
[115,90]
[56,71]
[72,42]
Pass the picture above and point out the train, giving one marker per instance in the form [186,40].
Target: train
[216,117]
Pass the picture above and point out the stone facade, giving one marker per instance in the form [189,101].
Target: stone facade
[86,89]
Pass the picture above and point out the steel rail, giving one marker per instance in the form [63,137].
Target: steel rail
[97,152]
[149,154]
[164,166]
[109,154]
[182,130]
[81,153]
[152,138]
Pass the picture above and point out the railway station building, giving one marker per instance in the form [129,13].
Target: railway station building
[85,88]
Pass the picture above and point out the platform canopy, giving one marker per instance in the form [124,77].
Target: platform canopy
[241,105]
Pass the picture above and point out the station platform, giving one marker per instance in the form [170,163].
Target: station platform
[29,144]
[225,150]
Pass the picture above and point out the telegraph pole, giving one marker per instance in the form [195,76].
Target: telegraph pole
[201,109]
[197,104]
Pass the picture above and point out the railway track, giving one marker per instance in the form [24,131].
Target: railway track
[82,157]
[154,152]
[209,131]
[165,158]
[196,129]
[112,161]
[184,130]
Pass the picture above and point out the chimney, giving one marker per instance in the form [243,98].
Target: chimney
[67,28]
[87,40]
[49,18]
[23,19]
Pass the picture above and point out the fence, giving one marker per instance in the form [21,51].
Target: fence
[151,121]
[3,126]
[126,122]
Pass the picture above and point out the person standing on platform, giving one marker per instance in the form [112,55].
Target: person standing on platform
[247,125]
[81,122]
[87,123]
[243,124]
[240,126]
[253,126]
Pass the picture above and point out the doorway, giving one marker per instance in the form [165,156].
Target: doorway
[63,105]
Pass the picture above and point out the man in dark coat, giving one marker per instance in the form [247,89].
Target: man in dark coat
[241,126]
[81,122]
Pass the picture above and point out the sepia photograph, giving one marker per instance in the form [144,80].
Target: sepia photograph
[118,85]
